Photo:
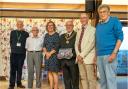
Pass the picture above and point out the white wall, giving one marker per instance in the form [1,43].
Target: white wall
[111,2]
[124,45]
[115,2]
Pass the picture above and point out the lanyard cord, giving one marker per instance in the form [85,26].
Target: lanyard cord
[18,36]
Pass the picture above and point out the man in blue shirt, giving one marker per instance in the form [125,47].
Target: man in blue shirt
[109,37]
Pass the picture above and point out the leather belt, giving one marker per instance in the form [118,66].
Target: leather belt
[34,51]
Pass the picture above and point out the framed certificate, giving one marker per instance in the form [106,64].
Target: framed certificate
[65,53]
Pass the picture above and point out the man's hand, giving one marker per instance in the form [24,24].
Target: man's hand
[94,60]
[112,57]
[80,59]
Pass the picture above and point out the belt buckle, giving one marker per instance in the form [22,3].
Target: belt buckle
[34,51]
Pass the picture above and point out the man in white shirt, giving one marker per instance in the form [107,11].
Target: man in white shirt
[34,57]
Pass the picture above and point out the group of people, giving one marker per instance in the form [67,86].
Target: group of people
[75,53]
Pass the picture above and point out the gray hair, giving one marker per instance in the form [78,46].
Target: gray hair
[85,14]
[103,6]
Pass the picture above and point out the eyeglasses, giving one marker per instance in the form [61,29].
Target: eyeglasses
[83,17]
[50,25]
[103,12]
[34,30]
[68,25]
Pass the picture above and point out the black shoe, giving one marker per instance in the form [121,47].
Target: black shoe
[11,88]
[20,86]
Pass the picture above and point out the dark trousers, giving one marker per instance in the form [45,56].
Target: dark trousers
[70,75]
[16,64]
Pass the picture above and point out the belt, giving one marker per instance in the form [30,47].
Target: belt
[34,51]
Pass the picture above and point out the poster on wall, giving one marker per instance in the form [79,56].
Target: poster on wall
[122,57]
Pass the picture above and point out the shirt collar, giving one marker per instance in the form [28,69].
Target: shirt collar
[102,22]
[35,37]
[84,26]
[69,33]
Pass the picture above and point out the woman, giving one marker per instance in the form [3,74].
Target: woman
[50,48]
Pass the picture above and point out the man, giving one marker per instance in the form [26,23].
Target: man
[69,67]
[17,43]
[34,57]
[85,51]
[109,37]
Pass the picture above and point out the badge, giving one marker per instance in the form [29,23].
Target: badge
[67,42]
[18,44]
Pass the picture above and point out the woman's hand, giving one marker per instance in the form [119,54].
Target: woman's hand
[48,55]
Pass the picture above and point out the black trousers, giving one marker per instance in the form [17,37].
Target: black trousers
[70,74]
[16,64]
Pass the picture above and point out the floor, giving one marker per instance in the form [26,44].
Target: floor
[45,85]
[122,83]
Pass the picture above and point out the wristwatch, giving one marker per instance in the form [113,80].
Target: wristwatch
[115,51]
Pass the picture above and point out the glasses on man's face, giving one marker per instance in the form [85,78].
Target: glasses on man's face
[35,30]
[103,12]
[83,17]
[68,25]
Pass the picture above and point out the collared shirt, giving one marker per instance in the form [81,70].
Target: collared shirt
[69,33]
[102,22]
[85,26]
[34,43]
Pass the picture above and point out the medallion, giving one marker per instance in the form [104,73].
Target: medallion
[67,42]
[69,37]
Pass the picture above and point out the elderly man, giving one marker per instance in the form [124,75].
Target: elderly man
[85,51]
[109,37]
[70,68]
[18,52]
[34,45]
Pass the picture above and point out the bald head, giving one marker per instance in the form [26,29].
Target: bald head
[35,31]
[69,22]
[84,18]
[20,25]
[69,26]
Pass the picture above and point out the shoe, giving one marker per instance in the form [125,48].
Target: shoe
[38,87]
[11,88]
[20,86]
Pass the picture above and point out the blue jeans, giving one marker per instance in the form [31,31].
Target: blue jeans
[107,72]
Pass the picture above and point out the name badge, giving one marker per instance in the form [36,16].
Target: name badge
[18,44]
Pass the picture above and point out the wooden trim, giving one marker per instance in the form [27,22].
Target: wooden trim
[52,14]
[39,14]
[45,10]
[42,6]
[53,6]
[119,8]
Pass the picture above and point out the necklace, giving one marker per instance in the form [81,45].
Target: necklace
[68,37]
